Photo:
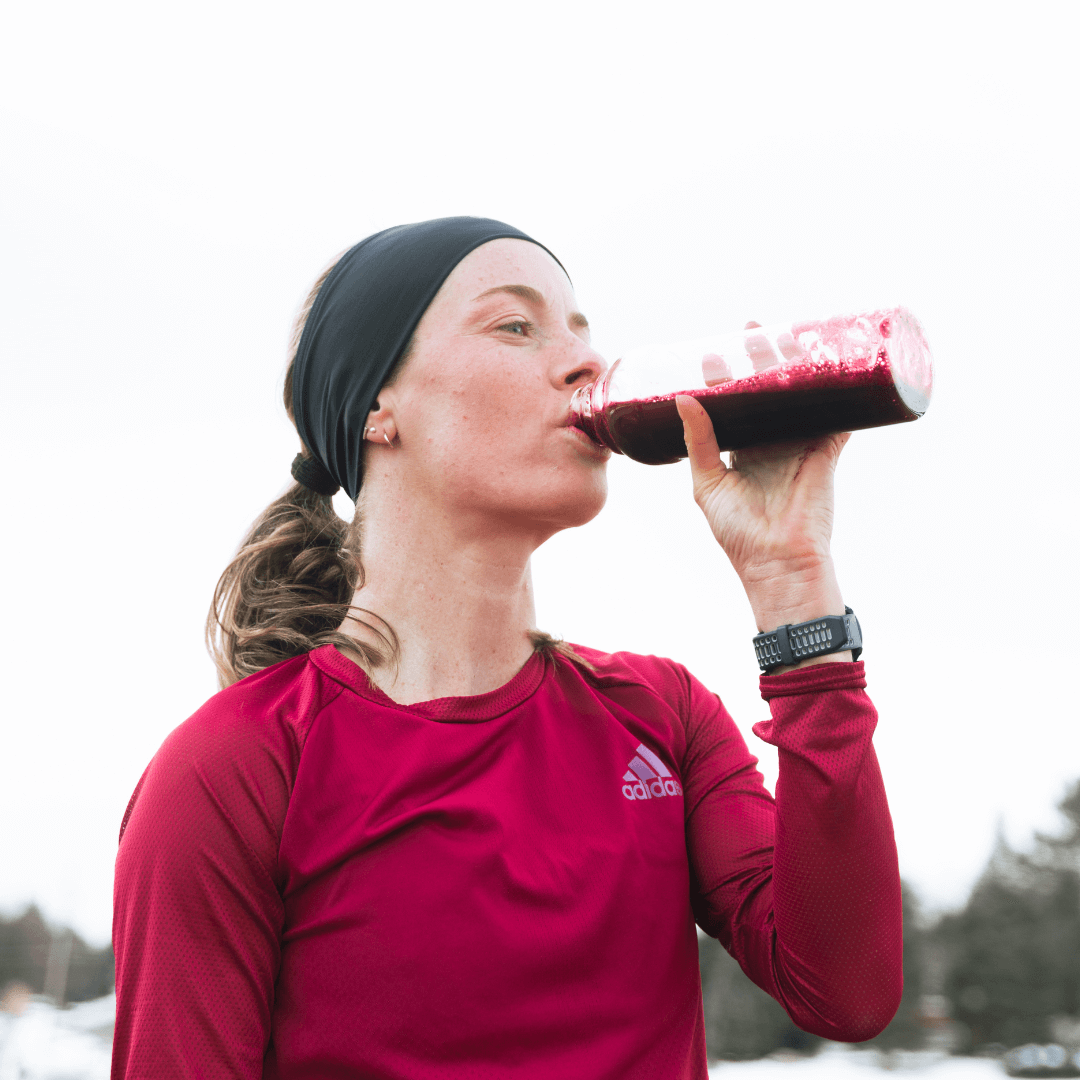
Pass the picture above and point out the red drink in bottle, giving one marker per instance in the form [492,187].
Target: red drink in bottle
[764,385]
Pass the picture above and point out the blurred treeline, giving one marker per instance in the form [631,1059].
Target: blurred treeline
[53,961]
[1002,972]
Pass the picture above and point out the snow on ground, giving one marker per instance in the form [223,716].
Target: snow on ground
[840,1063]
[45,1043]
[73,1044]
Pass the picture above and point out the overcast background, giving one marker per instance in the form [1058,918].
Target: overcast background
[174,176]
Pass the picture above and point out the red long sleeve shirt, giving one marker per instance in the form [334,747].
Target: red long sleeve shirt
[314,881]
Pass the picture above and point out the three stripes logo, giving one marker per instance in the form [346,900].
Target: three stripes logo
[648,777]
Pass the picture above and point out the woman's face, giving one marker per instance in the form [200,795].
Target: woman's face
[481,408]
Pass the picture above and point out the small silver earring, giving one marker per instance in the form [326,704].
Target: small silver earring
[387,438]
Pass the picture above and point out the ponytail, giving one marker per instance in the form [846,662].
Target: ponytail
[288,590]
[291,584]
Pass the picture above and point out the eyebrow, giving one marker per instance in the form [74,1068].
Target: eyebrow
[534,296]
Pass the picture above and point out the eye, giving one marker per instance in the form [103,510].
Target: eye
[517,327]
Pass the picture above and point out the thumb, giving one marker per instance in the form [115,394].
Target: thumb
[701,446]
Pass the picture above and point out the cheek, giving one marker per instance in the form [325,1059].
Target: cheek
[480,418]
[465,443]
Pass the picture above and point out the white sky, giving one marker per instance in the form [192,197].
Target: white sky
[174,176]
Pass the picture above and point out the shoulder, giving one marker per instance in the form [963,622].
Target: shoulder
[657,676]
[274,707]
[245,740]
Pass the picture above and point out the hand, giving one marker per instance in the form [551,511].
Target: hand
[771,511]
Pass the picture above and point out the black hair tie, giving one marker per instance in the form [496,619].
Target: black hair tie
[313,476]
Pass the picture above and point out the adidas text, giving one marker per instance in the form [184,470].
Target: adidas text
[648,777]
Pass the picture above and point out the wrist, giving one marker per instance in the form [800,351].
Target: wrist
[785,594]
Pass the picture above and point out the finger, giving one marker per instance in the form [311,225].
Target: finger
[699,437]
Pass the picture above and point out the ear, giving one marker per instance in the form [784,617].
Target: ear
[380,426]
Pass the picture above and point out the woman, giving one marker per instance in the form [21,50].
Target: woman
[420,838]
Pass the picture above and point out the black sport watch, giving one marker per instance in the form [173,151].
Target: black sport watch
[789,644]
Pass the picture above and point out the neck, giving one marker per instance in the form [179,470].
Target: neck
[458,594]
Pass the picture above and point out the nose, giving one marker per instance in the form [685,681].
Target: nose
[582,364]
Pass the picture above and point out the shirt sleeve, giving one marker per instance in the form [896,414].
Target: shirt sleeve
[805,891]
[198,911]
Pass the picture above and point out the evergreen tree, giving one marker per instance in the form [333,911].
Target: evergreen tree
[24,952]
[1013,953]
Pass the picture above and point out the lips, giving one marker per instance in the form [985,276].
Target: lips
[577,420]
[587,443]
[575,414]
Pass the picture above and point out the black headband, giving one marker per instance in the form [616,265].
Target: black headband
[361,320]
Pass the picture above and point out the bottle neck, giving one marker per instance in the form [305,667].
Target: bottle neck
[587,409]
[581,415]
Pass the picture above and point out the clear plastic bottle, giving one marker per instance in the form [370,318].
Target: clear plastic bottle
[763,385]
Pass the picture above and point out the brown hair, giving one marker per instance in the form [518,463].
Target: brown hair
[290,585]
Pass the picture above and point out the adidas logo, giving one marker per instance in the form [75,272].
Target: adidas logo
[649,777]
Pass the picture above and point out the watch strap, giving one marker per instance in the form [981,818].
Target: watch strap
[790,643]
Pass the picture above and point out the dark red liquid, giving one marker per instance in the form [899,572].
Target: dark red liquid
[784,403]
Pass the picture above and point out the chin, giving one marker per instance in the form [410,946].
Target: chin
[579,506]
[549,495]
[552,511]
